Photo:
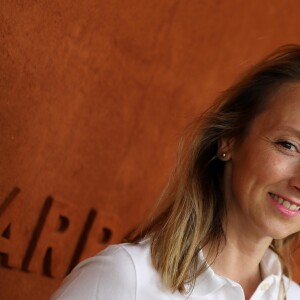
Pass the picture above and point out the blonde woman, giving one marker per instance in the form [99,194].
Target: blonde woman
[231,210]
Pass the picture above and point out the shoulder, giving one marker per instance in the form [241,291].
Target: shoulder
[109,275]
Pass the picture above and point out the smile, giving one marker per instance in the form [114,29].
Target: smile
[285,203]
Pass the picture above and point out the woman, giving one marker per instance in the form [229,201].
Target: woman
[230,210]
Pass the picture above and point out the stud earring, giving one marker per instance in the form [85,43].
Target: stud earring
[223,155]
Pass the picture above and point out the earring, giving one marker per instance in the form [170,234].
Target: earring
[223,155]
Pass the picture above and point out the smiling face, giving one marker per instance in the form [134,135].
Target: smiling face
[262,177]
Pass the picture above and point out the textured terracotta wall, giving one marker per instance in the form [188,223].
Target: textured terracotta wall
[93,97]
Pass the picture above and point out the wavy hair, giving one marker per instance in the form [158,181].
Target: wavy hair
[192,209]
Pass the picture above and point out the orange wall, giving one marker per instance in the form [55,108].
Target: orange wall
[94,95]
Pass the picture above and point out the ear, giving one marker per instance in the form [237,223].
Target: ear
[225,148]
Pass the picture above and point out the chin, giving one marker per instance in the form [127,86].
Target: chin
[278,231]
[282,235]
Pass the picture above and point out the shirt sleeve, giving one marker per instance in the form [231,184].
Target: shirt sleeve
[110,275]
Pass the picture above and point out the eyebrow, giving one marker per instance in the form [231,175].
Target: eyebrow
[290,129]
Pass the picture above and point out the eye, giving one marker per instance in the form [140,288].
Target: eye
[287,145]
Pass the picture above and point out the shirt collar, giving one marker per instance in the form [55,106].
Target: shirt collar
[208,282]
[270,264]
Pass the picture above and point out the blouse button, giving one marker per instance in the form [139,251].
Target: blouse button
[265,287]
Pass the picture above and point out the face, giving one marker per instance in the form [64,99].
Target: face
[262,174]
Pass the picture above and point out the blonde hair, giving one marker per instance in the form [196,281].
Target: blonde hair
[192,210]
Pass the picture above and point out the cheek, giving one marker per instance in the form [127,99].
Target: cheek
[272,167]
[259,170]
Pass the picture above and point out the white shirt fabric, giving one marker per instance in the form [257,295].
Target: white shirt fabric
[125,272]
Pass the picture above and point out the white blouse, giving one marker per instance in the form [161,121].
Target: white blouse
[125,272]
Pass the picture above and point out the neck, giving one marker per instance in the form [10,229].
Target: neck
[239,260]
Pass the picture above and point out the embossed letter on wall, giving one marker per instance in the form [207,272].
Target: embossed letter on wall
[62,235]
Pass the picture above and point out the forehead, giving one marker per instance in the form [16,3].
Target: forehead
[283,110]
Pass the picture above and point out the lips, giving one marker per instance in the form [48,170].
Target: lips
[285,202]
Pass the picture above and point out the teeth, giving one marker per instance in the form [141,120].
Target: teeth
[294,207]
[278,199]
[285,203]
